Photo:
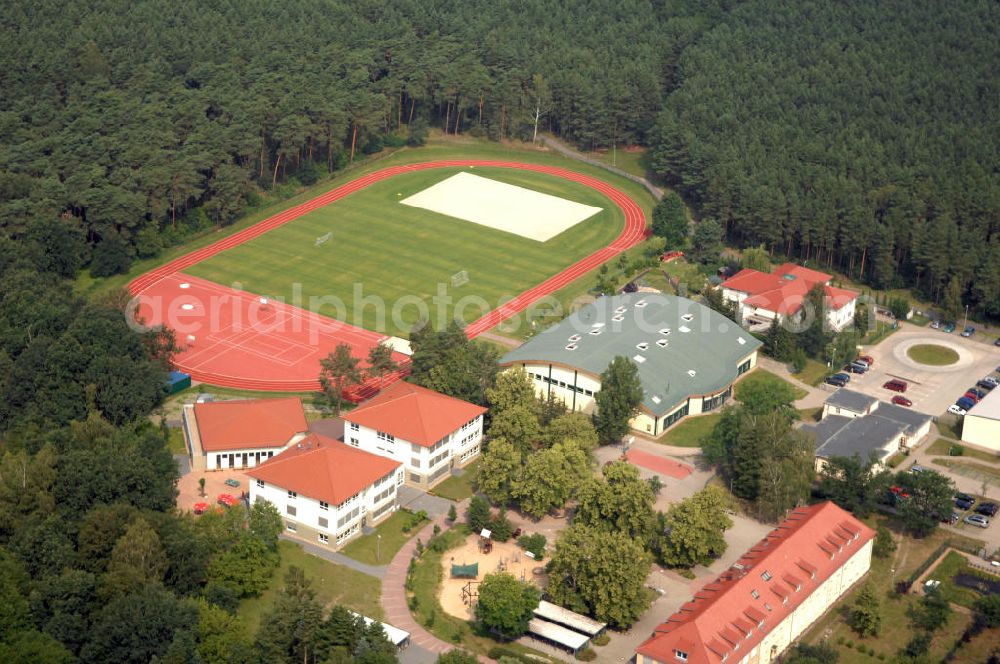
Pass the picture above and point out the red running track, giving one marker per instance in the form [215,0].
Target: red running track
[238,357]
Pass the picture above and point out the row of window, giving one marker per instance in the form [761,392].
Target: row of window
[241,460]
[470,453]
[669,420]
[437,473]
[468,439]
[375,514]
[347,517]
[347,533]
[439,458]
[387,437]
[562,384]
[385,494]
[470,423]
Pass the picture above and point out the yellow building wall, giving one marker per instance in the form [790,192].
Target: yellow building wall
[982,432]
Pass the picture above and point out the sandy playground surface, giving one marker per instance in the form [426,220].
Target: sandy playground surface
[503,206]
[509,553]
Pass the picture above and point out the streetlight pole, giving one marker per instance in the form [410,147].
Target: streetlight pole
[966,323]
[378,547]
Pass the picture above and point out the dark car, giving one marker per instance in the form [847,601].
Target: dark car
[968,331]
[965,403]
[985,385]
[979,394]
[964,503]
[988,509]
[857,367]
[838,379]
[896,385]
[997,342]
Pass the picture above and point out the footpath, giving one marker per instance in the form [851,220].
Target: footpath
[566,150]
[397,613]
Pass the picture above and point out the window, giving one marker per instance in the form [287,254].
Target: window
[260,484]
[323,505]
[290,510]
[415,462]
[324,539]
[323,523]
[355,427]
[354,441]
[292,494]
[681,655]
[766,575]
[415,478]
[387,437]
[289,526]
[755,594]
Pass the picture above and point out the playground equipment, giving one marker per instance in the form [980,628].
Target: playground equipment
[470,594]
[465,571]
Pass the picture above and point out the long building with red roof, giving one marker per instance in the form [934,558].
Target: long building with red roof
[224,435]
[770,596]
[760,297]
[428,432]
[327,491]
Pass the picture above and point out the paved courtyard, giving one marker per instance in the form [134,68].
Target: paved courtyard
[932,389]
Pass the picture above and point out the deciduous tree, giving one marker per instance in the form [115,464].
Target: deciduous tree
[618,399]
[505,604]
[339,371]
[693,530]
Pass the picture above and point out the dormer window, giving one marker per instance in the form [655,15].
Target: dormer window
[755,594]
[766,575]
[681,655]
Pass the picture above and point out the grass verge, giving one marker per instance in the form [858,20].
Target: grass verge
[334,584]
[814,373]
[389,537]
[458,487]
[977,471]
[945,447]
[175,441]
[690,431]
[932,355]
[767,380]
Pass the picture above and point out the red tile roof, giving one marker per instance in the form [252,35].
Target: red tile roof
[784,290]
[249,424]
[324,469]
[414,414]
[795,557]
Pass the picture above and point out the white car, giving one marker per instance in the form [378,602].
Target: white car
[955,409]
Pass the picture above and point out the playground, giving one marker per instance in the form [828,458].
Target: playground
[458,587]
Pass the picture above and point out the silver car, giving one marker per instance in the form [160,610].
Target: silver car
[977,520]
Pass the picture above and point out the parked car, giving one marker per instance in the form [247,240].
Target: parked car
[985,384]
[917,468]
[857,367]
[979,394]
[965,402]
[964,496]
[935,325]
[956,410]
[997,342]
[991,380]
[838,379]
[955,516]
[900,400]
[968,331]
[965,503]
[971,397]
[949,328]
[988,509]
[867,359]
[977,520]
[896,385]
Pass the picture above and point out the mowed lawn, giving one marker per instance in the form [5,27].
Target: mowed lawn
[334,584]
[378,254]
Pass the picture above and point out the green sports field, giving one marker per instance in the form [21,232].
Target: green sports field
[370,244]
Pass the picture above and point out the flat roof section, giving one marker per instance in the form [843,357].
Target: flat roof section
[557,634]
[571,619]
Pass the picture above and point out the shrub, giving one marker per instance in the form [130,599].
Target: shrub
[534,543]
[849,644]
[840,640]
[395,140]
[497,652]
[601,639]
[586,655]
[881,656]
[956,450]
[452,514]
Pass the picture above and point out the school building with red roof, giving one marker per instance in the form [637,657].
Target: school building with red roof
[756,609]
[326,491]
[223,435]
[760,297]
[428,432]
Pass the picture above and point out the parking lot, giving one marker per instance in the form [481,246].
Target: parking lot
[932,389]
